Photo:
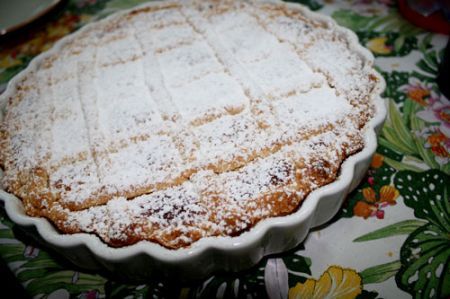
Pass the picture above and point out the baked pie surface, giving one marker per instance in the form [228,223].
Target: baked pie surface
[184,120]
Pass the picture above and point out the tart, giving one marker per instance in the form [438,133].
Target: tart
[179,121]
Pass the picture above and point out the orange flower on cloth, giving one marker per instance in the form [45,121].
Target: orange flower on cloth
[438,143]
[436,138]
[440,151]
[389,194]
[417,91]
[373,204]
[418,95]
[335,282]
[369,194]
[363,209]
[377,161]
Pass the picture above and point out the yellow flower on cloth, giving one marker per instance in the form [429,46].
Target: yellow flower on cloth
[378,46]
[335,282]
[8,61]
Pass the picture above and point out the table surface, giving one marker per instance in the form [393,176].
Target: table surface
[390,239]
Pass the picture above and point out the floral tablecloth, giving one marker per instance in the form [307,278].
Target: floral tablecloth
[391,239]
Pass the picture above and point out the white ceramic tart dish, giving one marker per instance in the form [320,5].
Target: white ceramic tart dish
[184,138]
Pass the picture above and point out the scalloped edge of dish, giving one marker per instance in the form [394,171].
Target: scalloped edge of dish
[274,235]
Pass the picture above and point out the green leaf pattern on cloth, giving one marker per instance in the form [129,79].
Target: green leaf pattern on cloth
[404,197]
[425,255]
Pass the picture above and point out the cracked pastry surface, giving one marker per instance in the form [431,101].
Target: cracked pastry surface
[183,120]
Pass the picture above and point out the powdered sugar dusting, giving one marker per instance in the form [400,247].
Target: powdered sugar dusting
[186,120]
